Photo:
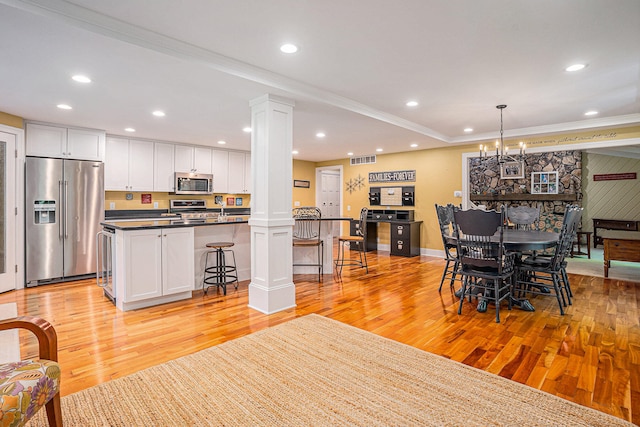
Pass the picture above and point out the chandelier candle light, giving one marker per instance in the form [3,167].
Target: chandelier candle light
[502,151]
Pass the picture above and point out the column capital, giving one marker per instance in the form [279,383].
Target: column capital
[272,98]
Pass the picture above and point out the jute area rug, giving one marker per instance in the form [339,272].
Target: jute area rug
[313,371]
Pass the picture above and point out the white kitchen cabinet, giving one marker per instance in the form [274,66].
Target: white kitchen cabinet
[65,143]
[128,165]
[239,172]
[192,159]
[155,266]
[163,167]
[220,168]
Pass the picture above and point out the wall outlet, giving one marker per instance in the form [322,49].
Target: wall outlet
[296,203]
[457,193]
[112,205]
[348,208]
[155,205]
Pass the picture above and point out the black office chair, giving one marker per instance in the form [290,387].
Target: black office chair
[487,269]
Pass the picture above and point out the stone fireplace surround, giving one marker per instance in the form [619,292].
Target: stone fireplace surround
[487,188]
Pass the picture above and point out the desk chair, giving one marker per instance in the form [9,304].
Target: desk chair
[306,234]
[359,241]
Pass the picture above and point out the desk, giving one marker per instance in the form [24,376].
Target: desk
[620,250]
[405,236]
[611,224]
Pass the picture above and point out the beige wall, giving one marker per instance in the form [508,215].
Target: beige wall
[305,171]
[11,120]
[619,199]
[438,175]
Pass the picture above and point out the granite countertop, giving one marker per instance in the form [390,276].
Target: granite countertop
[145,224]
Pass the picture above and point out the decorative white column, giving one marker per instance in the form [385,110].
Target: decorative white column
[271,288]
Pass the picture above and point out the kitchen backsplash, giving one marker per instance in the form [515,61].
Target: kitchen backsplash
[147,200]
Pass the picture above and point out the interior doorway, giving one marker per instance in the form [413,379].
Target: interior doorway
[329,194]
[7,212]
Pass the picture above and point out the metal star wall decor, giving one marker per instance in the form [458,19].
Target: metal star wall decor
[355,184]
[350,186]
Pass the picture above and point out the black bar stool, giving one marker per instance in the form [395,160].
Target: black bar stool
[220,274]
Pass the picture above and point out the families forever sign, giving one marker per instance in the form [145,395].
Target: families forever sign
[392,176]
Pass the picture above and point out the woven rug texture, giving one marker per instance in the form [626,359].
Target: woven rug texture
[314,371]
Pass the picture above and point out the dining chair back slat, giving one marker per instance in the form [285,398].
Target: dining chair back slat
[524,217]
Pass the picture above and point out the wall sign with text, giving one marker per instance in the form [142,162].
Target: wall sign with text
[392,176]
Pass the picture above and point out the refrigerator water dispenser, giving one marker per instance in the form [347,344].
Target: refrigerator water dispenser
[45,211]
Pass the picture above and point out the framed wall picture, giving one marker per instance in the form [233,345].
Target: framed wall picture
[512,170]
[544,182]
[301,183]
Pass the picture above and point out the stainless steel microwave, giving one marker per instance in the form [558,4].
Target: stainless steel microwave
[193,183]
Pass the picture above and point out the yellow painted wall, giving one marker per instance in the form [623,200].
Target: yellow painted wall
[305,171]
[119,198]
[11,120]
[438,175]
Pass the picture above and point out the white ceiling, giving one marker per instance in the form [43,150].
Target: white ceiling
[203,61]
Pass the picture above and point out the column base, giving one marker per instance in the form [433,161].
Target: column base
[272,299]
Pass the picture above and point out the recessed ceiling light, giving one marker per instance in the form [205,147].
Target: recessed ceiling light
[378,150]
[294,152]
[468,129]
[81,79]
[320,134]
[289,48]
[412,103]
[159,113]
[575,67]
[414,145]
[349,153]
[591,113]
[129,130]
[64,106]
[246,129]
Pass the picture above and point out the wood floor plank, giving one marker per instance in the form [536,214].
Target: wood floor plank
[591,355]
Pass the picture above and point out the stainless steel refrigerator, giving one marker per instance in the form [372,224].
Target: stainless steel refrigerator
[64,207]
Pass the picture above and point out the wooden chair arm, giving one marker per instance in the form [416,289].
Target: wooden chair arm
[42,329]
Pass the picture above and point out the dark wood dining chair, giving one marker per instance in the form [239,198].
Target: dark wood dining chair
[524,217]
[446,223]
[546,275]
[486,267]
[359,241]
[306,234]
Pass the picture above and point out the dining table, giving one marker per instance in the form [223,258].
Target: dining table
[521,241]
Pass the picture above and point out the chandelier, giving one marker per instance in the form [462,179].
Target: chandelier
[502,151]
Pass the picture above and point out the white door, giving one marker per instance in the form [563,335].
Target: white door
[7,212]
[330,197]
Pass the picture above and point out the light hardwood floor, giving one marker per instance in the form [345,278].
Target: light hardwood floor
[590,356]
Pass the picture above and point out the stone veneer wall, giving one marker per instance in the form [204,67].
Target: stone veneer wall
[484,177]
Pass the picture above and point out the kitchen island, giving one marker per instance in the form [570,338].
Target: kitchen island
[157,261]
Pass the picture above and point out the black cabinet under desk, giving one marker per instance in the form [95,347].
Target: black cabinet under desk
[404,231]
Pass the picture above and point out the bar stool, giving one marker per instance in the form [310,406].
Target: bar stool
[220,274]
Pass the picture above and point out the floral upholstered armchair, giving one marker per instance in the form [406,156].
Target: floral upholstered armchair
[28,385]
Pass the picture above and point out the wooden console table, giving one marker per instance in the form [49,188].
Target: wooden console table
[620,250]
[611,224]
